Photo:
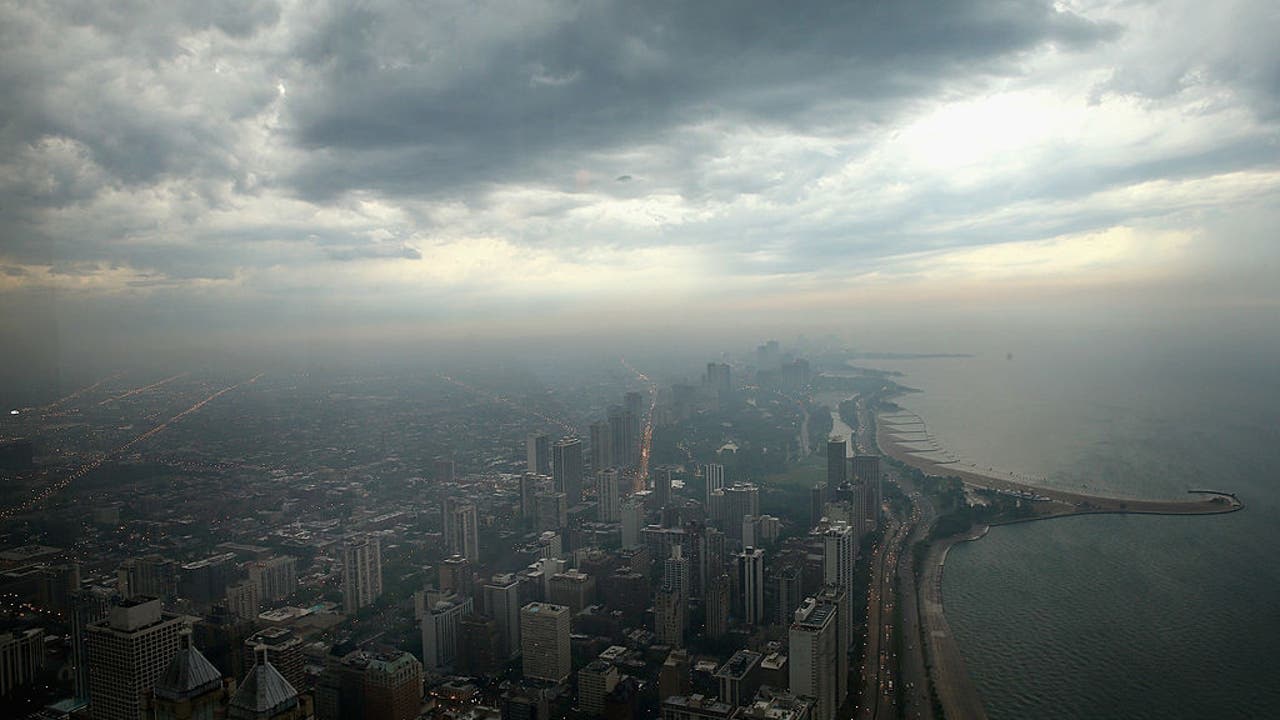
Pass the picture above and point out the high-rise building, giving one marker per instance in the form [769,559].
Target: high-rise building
[572,588]
[813,652]
[538,449]
[837,460]
[566,469]
[740,677]
[675,572]
[632,401]
[441,626]
[674,678]
[719,379]
[866,468]
[817,503]
[608,499]
[714,476]
[87,607]
[204,582]
[479,646]
[669,617]
[361,572]
[150,576]
[502,602]
[243,599]
[21,659]
[751,582]
[530,486]
[544,641]
[190,688]
[718,605]
[392,685]
[551,510]
[662,487]
[127,651]
[455,575]
[276,577]
[732,503]
[461,529]
[595,681]
[837,597]
[632,521]
[839,552]
[264,694]
[601,447]
[619,432]
[286,650]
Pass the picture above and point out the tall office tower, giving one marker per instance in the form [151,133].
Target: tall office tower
[839,552]
[551,510]
[718,603]
[243,599]
[57,582]
[662,487]
[530,486]
[595,681]
[632,521]
[87,606]
[719,379]
[751,581]
[441,626]
[566,469]
[502,602]
[714,554]
[867,469]
[361,572]
[461,529]
[127,651]
[674,678]
[601,446]
[204,582]
[285,649]
[836,597]
[538,449]
[730,504]
[740,677]
[392,685]
[572,588]
[264,694]
[675,572]
[276,577]
[544,641]
[479,646]
[190,686]
[21,659]
[790,581]
[669,618]
[444,470]
[817,503]
[813,656]
[150,575]
[837,461]
[714,476]
[455,575]
[618,445]
[608,499]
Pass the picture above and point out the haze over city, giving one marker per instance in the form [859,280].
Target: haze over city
[634,360]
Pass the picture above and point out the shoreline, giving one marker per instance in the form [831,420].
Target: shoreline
[951,680]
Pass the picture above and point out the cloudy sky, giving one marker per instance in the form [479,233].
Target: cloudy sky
[289,169]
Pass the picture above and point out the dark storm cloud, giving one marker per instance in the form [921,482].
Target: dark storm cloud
[395,104]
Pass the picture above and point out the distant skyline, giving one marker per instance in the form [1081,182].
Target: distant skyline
[181,174]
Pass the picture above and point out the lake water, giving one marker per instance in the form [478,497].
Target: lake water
[1117,616]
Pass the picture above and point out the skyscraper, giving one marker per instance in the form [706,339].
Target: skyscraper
[544,641]
[730,504]
[189,687]
[87,607]
[361,572]
[867,469]
[127,651]
[538,452]
[632,521]
[461,529]
[813,651]
[662,487]
[566,469]
[276,578]
[441,626]
[608,500]
[669,617]
[719,380]
[751,581]
[718,604]
[839,552]
[817,503]
[714,476]
[601,446]
[595,681]
[632,401]
[619,446]
[502,602]
[837,461]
